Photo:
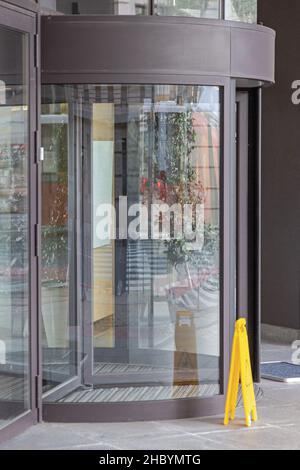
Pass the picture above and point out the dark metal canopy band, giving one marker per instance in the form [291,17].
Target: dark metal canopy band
[124,49]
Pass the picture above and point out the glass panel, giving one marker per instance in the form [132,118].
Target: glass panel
[238,10]
[58,213]
[14,259]
[150,242]
[103,249]
[241,10]
[98,7]
[197,8]
[159,307]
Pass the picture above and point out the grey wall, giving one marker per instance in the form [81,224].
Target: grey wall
[281,171]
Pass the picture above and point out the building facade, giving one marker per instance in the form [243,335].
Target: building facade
[280,173]
[130,205]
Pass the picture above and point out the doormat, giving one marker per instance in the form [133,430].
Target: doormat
[281,372]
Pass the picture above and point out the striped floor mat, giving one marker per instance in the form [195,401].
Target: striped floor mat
[129,394]
[13,388]
[113,368]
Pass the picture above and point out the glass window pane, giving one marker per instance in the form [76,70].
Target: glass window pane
[241,10]
[150,242]
[58,228]
[155,294]
[14,260]
[103,253]
[98,7]
[197,8]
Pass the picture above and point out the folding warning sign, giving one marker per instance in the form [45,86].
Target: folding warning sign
[240,372]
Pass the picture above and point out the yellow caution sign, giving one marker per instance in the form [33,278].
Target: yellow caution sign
[240,372]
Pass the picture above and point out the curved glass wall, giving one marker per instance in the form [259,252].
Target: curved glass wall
[237,10]
[139,167]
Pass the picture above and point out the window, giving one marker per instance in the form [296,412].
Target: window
[98,7]
[238,10]
[150,242]
[241,10]
[14,226]
[196,8]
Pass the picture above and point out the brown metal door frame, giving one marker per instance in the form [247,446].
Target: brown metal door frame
[242,138]
[75,296]
[13,17]
[110,412]
[248,208]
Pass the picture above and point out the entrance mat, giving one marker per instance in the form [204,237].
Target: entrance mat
[147,393]
[121,394]
[281,372]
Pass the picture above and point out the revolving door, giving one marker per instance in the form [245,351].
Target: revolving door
[138,221]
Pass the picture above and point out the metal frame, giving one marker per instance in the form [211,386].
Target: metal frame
[254,235]
[187,407]
[86,218]
[222,9]
[226,50]
[15,18]
[249,219]
[242,113]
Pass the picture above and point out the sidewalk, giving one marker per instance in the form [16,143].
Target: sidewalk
[278,426]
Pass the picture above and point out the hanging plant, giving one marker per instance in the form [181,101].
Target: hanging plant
[181,185]
[55,232]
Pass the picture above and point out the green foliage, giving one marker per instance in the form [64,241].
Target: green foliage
[180,144]
[180,175]
[55,233]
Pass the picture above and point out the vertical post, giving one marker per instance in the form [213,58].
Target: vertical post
[228,223]
[222,9]
[151,7]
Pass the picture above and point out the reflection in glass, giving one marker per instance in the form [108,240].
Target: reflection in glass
[14,275]
[103,249]
[57,228]
[196,8]
[164,312]
[150,292]
[101,7]
[237,10]
[241,10]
